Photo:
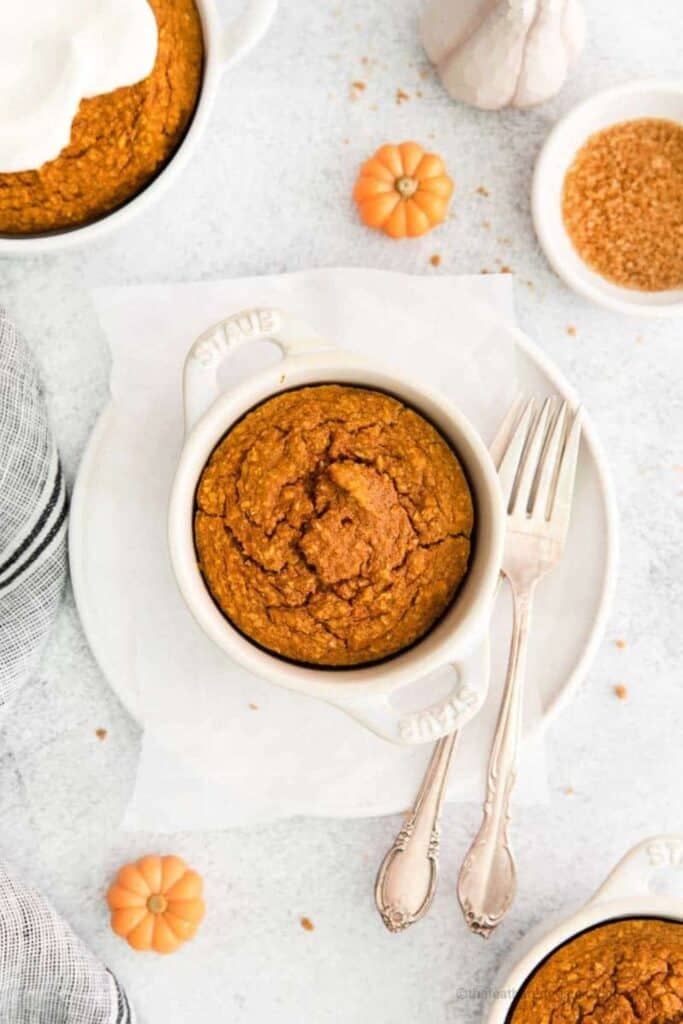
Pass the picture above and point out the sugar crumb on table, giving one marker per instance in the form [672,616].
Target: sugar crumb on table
[307,924]
[435,260]
[402,96]
[621,691]
[571,331]
[481,190]
[621,644]
[101,733]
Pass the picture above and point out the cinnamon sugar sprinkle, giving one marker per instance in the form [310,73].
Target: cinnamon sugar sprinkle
[623,204]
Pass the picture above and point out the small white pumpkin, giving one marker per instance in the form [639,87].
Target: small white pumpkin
[503,53]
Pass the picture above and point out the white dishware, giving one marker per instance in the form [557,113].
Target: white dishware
[647,882]
[366,692]
[655,99]
[117,551]
[223,47]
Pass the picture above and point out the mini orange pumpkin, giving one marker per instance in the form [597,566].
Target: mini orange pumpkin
[156,903]
[403,191]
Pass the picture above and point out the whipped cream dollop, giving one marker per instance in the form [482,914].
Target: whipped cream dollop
[55,53]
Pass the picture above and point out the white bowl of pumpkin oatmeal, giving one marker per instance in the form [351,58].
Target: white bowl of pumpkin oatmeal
[607,198]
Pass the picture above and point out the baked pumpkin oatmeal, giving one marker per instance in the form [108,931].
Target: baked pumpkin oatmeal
[119,141]
[333,525]
[623,972]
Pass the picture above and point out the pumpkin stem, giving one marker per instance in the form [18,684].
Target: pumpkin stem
[406,186]
[156,904]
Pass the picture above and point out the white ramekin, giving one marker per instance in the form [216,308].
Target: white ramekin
[623,103]
[647,882]
[223,46]
[459,639]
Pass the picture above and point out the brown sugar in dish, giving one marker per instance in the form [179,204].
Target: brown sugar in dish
[119,141]
[333,525]
[623,972]
[623,204]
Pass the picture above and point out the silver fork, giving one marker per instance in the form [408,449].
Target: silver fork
[407,878]
[537,472]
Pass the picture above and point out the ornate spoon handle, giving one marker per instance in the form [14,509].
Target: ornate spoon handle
[407,877]
[488,877]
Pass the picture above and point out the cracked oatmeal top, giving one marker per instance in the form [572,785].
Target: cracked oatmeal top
[624,972]
[333,525]
[119,141]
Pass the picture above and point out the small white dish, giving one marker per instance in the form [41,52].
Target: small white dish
[647,882]
[363,691]
[223,47]
[660,99]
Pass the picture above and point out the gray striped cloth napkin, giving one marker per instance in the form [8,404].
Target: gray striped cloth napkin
[47,976]
[32,517]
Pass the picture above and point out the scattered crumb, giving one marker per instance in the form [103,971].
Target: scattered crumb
[101,734]
[530,285]
[282,378]
[571,331]
[621,691]
[346,141]
[359,85]
[426,73]
[486,224]
[505,269]
[484,271]
[254,707]
[481,190]
[570,791]
[356,89]
[401,96]
[505,241]
[621,644]
[419,93]
[307,924]
[435,260]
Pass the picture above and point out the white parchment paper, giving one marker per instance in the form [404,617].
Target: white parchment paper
[220,746]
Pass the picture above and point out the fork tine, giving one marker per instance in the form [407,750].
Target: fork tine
[531,459]
[550,463]
[509,464]
[564,490]
[504,432]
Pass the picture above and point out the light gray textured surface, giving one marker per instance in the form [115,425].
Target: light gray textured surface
[268,192]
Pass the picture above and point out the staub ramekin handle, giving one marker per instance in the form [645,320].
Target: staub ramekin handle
[200,376]
[638,872]
[242,34]
[467,693]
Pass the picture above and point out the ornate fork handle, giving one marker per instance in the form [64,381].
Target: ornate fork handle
[406,881]
[487,883]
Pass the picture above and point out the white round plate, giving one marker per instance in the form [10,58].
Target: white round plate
[569,619]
